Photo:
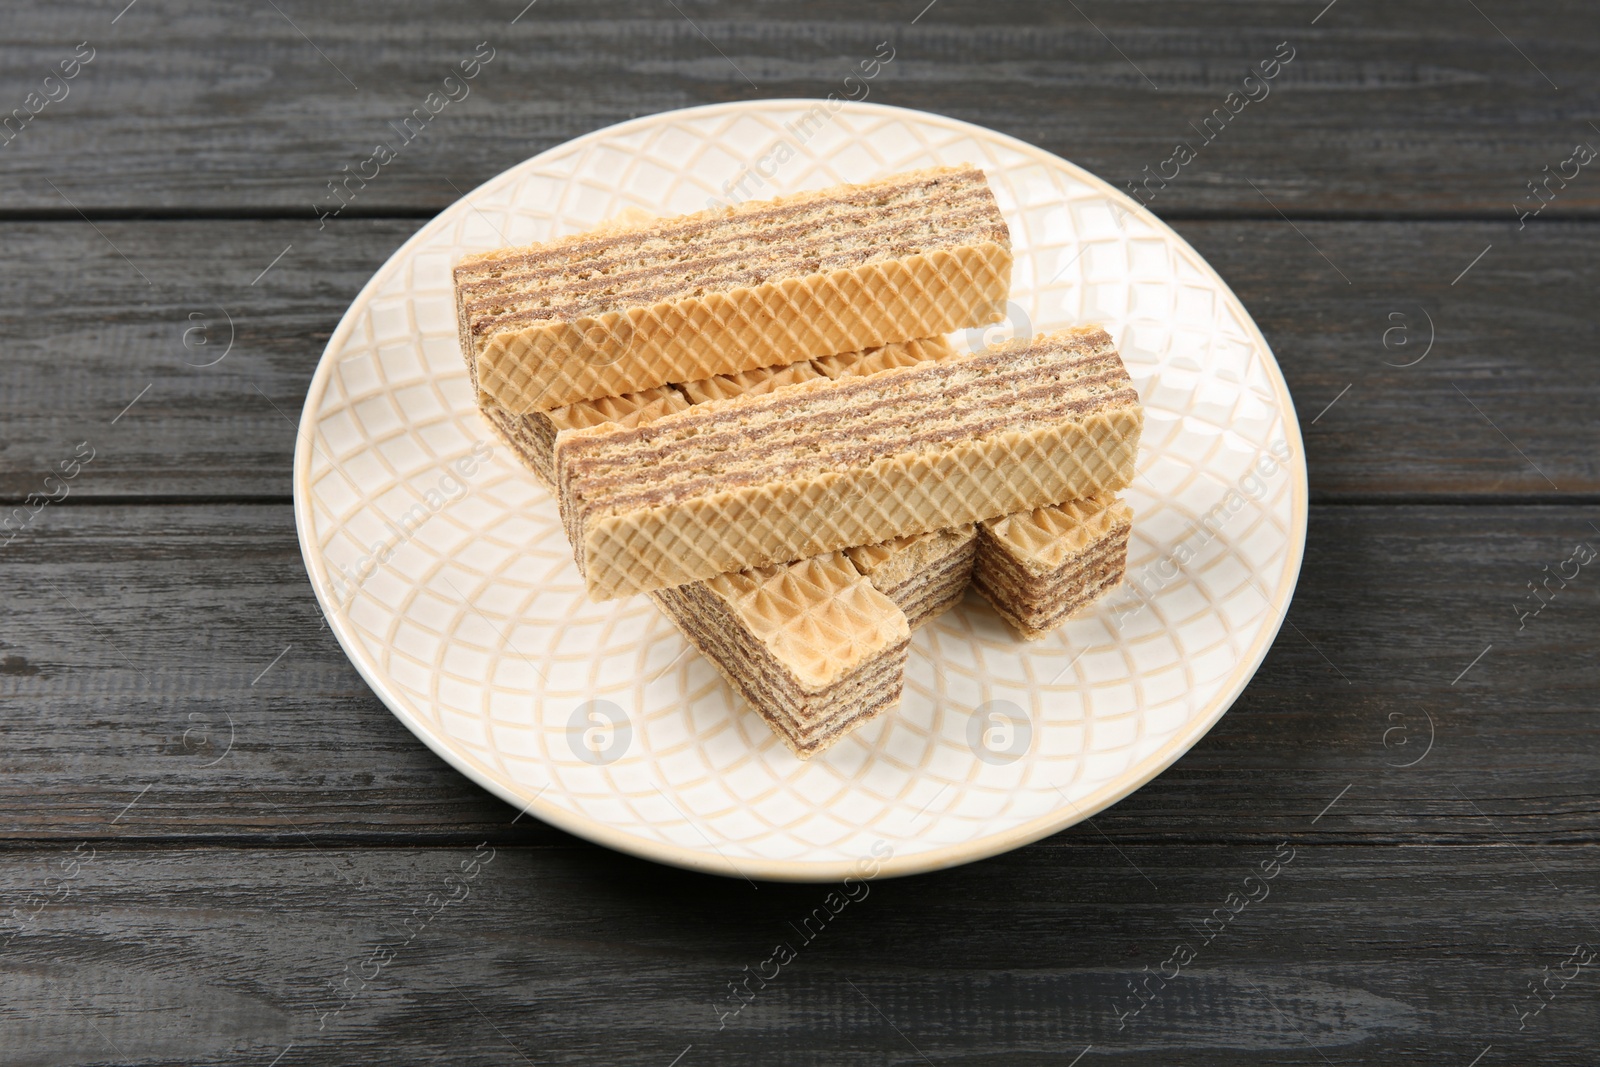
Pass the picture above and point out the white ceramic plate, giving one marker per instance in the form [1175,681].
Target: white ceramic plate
[443,569]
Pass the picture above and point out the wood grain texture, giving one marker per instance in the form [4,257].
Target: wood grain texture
[1422,109]
[109,321]
[141,639]
[1461,381]
[1512,337]
[1359,955]
[209,825]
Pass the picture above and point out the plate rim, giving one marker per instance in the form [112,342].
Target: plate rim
[601,833]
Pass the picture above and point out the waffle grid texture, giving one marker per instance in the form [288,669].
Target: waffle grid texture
[1037,568]
[812,646]
[606,351]
[895,486]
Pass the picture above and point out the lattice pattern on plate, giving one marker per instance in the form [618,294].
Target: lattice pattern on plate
[446,575]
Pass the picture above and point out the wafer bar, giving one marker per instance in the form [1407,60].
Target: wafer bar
[812,646]
[821,466]
[636,305]
[1037,568]
[818,647]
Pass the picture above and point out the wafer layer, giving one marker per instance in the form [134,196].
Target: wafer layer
[750,382]
[825,465]
[1039,567]
[774,282]
[812,646]
[924,574]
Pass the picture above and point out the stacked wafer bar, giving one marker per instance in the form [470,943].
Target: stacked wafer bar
[817,646]
[1040,567]
[636,305]
[812,646]
[820,466]
[784,644]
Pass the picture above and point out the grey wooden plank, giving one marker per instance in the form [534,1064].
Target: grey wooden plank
[138,640]
[180,318]
[1423,108]
[1503,403]
[1351,955]
[1448,338]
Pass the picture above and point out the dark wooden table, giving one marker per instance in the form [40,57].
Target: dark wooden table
[203,845]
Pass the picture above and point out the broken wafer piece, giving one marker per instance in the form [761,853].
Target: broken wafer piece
[806,644]
[825,465]
[635,305]
[924,574]
[1039,567]
[812,646]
